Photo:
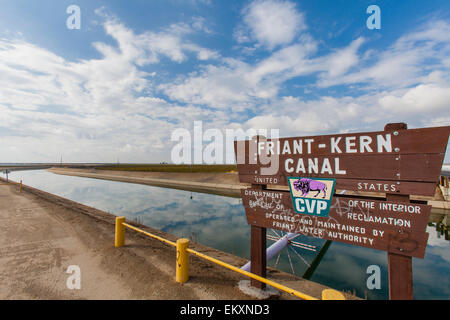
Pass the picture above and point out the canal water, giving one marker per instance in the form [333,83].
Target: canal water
[219,222]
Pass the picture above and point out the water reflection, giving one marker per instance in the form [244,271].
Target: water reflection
[169,210]
[220,222]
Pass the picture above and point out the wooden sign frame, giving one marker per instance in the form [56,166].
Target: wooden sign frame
[397,162]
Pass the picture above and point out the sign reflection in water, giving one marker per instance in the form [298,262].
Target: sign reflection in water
[220,222]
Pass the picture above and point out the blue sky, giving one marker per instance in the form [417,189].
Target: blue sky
[137,70]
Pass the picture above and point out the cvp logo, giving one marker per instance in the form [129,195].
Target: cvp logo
[313,207]
[312,196]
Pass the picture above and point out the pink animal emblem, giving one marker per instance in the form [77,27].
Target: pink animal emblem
[306,185]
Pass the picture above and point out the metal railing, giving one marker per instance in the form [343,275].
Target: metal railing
[10,182]
[182,262]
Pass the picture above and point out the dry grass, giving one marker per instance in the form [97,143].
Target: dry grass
[170,168]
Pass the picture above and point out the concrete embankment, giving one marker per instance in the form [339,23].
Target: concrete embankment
[226,184]
[42,234]
[24,168]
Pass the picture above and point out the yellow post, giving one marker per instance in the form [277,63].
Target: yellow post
[330,294]
[182,267]
[120,232]
[20,187]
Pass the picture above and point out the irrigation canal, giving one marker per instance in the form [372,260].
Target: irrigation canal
[220,222]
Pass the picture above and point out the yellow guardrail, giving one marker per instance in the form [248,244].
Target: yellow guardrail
[9,182]
[147,233]
[253,276]
[182,263]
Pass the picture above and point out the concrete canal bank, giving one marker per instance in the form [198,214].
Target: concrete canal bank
[41,235]
[226,184]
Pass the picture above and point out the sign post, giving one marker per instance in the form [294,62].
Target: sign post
[400,272]
[258,247]
[294,182]
[258,254]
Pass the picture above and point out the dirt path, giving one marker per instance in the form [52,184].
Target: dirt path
[39,240]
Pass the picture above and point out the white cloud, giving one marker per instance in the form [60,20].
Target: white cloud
[342,60]
[421,106]
[149,46]
[397,86]
[238,85]
[427,98]
[294,116]
[272,22]
[401,65]
[285,63]
[102,107]
[215,86]
[99,109]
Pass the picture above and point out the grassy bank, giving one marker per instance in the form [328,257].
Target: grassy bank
[170,168]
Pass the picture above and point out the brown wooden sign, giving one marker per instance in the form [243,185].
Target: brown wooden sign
[398,161]
[384,225]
